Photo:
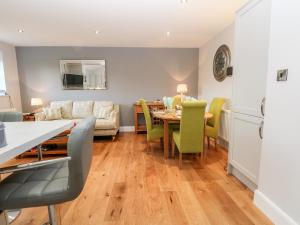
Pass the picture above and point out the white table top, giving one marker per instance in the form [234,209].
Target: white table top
[22,136]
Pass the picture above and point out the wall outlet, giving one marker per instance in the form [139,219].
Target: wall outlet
[282,75]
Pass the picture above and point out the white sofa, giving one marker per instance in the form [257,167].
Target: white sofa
[107,123]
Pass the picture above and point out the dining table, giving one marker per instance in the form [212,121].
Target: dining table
[172,116]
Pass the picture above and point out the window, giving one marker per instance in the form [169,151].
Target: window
[2,77]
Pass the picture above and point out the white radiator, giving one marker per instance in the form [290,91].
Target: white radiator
[224,128]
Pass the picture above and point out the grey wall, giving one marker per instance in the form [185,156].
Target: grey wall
[132,73]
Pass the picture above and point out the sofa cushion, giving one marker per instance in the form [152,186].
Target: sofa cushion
[52,113]
[104,113]
[102,109]
[82,109]
[66,108]
[105,124]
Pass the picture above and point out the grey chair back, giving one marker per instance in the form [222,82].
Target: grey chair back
[11,116]
[80,148]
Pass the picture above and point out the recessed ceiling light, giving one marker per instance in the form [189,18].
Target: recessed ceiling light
[183,1]
[97,31]
[168,33]
[21,30]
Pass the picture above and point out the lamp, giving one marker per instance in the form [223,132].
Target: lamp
[35,102]
[182,89]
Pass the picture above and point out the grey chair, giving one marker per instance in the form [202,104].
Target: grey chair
[50,182]
[11,116]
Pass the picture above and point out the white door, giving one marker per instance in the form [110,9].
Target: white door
[251,57]
[245,144]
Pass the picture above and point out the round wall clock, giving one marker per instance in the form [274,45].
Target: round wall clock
[222,61]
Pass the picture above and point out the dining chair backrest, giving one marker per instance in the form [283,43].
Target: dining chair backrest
[215,109]
[80,148]
[146,115]
[176,101]
[192,126]
[11,116]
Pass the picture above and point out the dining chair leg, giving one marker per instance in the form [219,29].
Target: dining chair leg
[161,142]
[180,160]
[202,159]
[148,147]
[216,148]
[173,149]
[208,142]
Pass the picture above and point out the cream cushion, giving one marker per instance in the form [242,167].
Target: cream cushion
[103,113]
[82,109]
[40,116]
[52,113]
[102,109]
[66,108]
[105,124]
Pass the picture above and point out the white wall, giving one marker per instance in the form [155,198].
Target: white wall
[11,76]
[2,77]
[278,192]
[208,87]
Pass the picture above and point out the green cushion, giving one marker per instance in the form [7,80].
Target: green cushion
[211,131]
[157,131]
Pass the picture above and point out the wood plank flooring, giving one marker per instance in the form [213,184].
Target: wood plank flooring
[127,185]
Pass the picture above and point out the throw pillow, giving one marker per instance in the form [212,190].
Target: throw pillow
[104,113]
[52,113]
[82,109]
[99,105]
[66,108]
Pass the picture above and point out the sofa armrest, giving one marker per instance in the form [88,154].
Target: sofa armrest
[115,116]
[40,116]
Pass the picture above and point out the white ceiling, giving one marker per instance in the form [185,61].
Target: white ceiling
[122,23]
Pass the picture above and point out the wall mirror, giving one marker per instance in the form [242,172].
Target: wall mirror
[83,74]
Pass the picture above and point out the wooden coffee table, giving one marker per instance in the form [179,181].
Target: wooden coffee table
[61,139]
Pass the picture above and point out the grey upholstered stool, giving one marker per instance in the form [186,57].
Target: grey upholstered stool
[49,182]
[11,116]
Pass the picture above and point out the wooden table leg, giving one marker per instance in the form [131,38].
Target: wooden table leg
[166,139]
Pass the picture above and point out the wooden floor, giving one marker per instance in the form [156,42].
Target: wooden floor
[126,185]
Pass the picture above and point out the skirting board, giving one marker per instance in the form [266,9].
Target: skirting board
[223,143]
[275,214]
[241,177]
[127,129]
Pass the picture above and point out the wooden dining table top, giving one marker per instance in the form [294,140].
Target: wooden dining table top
[172,116]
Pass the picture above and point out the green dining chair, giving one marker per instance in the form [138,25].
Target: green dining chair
[213,124]
[190,137]
[174,126]
[153,131]
[176,101]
